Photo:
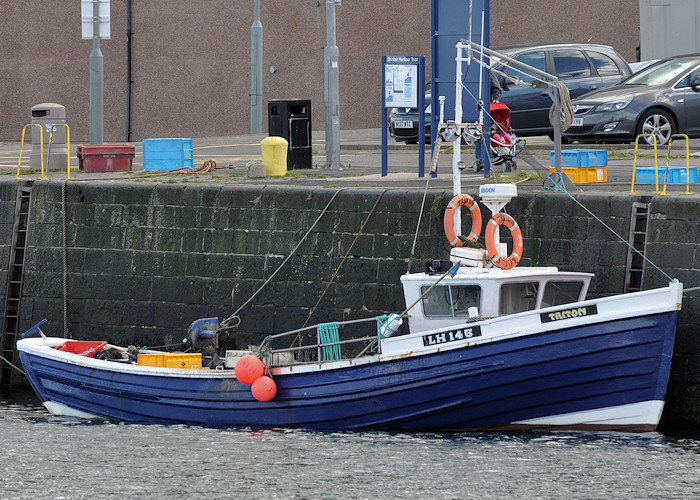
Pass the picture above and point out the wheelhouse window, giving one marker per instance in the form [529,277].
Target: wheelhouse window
[518,297]
[557,293]
[450,301]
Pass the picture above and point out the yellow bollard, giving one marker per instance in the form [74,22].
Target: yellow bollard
[274,155]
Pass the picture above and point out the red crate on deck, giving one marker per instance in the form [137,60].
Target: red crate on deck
[105,157]
[83,347]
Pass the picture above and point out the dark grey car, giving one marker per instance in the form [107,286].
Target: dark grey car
[582,67]
[662,99]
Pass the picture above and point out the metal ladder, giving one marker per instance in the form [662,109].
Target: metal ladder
[639,225]
[13,295]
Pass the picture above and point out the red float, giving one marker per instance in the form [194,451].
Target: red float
[248,369]
[264,389]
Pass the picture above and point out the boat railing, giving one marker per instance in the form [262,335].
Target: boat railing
[321,341]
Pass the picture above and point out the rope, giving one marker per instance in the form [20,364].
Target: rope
[372,345]
[420,216]
[559,185]
[567,110]
[12,365]
[207,167]
[227,323]
[345,257]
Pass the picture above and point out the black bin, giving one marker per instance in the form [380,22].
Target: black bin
[291,119]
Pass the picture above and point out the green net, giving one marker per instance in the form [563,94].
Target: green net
[328,333]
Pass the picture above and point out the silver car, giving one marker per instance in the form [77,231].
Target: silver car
[661,100]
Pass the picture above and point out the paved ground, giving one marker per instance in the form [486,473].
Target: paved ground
[360,155]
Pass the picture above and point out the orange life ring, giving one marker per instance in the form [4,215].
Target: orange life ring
[503,219]
[459,201]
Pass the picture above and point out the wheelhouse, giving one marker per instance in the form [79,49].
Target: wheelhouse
[488,293]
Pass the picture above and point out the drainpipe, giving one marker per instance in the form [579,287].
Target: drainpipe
[128,70]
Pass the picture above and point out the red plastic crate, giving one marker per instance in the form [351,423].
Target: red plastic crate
[82,347]
[105,157]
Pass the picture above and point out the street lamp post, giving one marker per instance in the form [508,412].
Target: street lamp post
[96,80]
[256,72]
[331,55]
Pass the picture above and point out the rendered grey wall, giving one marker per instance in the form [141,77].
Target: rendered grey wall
[191,60]
[145,260]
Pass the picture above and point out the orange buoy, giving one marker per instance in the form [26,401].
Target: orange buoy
[264,388]
[503,219]
[448,221]
[248,369]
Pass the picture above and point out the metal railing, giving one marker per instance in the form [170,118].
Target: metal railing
[51,128]
[265,350]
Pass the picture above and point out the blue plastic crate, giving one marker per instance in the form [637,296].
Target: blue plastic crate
[582,158]
[167,154]
[676,175]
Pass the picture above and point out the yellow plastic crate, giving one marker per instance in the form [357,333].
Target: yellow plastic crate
[585,175]
[151,359]
[183,360]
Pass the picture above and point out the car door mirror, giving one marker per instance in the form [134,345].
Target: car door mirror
[695,84]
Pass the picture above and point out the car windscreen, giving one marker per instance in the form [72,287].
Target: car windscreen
[661,72]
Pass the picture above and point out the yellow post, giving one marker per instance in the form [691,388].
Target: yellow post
[634,163]
[274,155]
[41,135]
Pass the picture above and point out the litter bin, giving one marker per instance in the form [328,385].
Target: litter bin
[291,119]
[54,114]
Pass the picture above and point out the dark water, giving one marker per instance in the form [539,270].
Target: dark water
[61,458]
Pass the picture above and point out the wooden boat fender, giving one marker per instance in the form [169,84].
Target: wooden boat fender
[462,200]
[503,219]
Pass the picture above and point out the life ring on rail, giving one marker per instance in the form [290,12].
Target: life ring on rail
[459,201]
[503,219]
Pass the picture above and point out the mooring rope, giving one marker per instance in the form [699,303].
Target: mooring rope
[227,323]
[12,365]
[345,257]
[420,216]
[559,186]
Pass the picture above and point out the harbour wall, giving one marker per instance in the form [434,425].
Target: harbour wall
[136,263]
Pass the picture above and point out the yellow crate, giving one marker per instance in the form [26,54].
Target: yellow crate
[585,175]
[184,360]
[151,359]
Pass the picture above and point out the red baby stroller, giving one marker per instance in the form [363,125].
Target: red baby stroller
[504,146]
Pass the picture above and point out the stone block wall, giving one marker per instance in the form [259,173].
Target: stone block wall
[143,261]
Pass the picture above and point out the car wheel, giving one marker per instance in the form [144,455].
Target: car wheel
[656,122]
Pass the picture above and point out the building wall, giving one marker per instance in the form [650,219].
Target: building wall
[191,60]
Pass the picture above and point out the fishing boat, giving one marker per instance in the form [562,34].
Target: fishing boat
[485,342]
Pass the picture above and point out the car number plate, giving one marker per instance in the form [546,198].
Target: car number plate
[403,124]
[577,122]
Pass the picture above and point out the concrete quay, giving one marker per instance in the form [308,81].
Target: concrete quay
[361,159]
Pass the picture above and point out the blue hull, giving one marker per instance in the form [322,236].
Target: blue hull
[492,385]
